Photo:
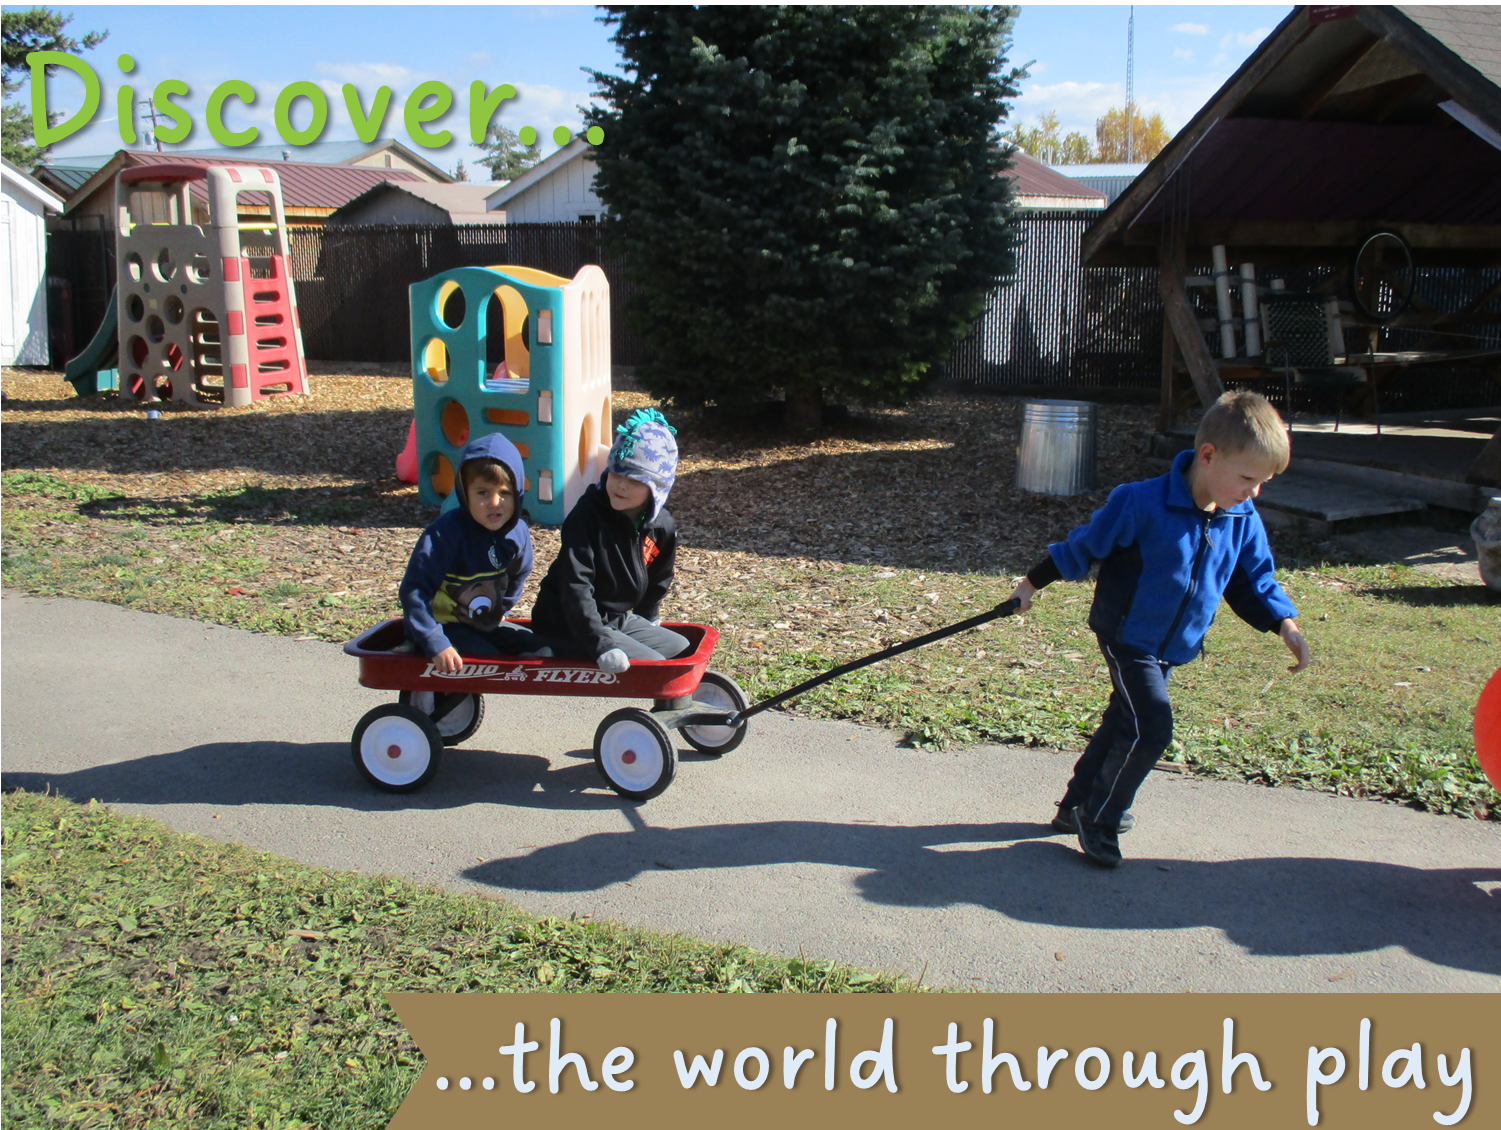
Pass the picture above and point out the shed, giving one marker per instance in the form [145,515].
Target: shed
[1345,121]
[559,189]
[24,205]
[413,202]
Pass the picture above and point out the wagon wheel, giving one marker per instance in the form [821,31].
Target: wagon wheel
[461,720]
[1382,277]
[720,694]
[634,754]
[396,748]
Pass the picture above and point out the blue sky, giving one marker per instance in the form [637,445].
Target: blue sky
[1183,54]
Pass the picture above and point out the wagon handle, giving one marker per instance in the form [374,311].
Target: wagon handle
[996,613]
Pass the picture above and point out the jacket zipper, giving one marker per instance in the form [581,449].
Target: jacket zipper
[1193,583]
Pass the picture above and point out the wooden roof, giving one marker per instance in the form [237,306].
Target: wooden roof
[1343,121]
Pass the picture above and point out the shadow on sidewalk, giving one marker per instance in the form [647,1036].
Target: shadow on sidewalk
[1277,906]
[1273,906]
[323,774]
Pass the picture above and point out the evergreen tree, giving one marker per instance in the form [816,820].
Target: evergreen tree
[505,156]
[808,198]
[34,29]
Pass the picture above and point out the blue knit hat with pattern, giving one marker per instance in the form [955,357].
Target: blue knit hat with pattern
[644,450]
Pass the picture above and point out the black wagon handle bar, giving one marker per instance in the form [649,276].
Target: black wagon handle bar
[996,613]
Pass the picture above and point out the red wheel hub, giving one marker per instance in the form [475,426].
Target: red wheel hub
[393,752]
[629,757]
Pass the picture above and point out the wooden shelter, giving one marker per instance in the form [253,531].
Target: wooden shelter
[1346,121]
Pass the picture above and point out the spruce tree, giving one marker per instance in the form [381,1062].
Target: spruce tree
[808,199]
[22,32]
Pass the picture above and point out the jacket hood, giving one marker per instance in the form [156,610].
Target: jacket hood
[644,450]
[494,446]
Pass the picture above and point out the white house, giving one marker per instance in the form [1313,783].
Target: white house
[560,189]
[23,336]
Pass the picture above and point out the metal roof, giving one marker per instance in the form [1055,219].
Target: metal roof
[313,190]
[1341,118]
[1031,177]
[314,153]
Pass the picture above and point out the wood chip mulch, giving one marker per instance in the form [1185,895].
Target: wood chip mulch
[927,487]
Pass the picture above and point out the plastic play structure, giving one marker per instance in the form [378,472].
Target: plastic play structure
[521,352]
[202,317]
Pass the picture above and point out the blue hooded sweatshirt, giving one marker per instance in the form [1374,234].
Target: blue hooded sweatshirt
[462,573]
[1164,564]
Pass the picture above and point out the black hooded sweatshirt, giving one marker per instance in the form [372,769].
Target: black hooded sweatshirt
[606,569]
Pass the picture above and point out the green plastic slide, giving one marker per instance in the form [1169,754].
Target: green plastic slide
[97,367]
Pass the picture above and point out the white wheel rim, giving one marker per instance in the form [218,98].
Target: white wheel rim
[717,699]
[631,755]
[457,719]
[395,750]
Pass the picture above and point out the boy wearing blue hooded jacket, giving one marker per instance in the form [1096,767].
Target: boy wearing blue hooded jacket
[470,565]
[600,599]
[1168,549]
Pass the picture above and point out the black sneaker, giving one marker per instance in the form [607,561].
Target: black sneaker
[1064,822]
[1099,843]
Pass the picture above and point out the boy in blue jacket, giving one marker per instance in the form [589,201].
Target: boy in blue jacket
[1168,549]
[470,565]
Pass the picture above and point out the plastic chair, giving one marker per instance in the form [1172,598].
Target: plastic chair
[1298,331]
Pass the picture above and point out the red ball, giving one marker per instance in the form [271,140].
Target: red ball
[1488,729]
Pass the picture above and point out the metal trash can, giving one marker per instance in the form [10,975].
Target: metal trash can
[1056,454]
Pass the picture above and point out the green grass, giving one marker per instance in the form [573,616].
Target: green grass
[154,979]
[1347,725]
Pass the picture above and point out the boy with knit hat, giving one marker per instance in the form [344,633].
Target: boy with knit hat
[601,596]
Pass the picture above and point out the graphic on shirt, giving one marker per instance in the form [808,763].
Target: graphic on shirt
[649,550]
[476,601]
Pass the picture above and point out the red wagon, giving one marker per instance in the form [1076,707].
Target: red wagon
[399,746]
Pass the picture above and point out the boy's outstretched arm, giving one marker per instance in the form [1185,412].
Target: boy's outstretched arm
[1296,644]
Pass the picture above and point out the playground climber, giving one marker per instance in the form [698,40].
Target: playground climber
[600,598]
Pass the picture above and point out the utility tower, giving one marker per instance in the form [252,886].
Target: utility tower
[1131,85]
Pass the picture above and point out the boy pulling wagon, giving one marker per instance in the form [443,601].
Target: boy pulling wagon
[1168,549]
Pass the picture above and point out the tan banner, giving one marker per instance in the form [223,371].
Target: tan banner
[1224,1061]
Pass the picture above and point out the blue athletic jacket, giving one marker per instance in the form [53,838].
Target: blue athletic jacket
[460,572]
[1164,564]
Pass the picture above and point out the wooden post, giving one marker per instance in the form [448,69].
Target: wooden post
[1167,410]
[1185,326]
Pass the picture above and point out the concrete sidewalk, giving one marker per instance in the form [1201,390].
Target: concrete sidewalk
[817,837]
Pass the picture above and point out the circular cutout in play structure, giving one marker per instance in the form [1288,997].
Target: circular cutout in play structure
[440,477]
[133,266]
[1488,730]
[174,309]
[135,308]
[455,423]
[435,361]
[451,305]
[165,267]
